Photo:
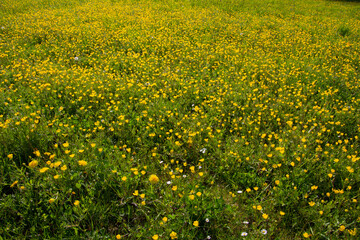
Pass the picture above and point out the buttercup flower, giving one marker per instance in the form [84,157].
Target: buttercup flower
[82,163]
[173,235]
[33,163]
[306,235]
[153,178]
[44,169]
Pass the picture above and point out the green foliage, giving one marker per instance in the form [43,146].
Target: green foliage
[344,31]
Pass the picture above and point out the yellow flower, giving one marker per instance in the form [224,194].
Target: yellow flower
[124,178]
[58,163]
[37,153]
[306,235]
[63,168]
[174,188]
[82,163]
[165,219]
[143,203]
[56,176]
[13,184]
[77,202]
[153,178]
[352,232]
[136,193]
[66,145]
[259,207]
[10,156]
[282,213]
[51,200]
[33,163]
[280,149]
[198,194]
[173,235]
[44,169]
[265,216]
[93,145]
[196,223]
[155,237]
[142,195]
[191,197]
[118,236]
[311,204]
[342,228]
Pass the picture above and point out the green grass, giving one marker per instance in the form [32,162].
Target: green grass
[246,111]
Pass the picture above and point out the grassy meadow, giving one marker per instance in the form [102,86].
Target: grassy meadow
[179,119]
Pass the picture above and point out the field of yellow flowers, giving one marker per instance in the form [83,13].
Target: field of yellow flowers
[179,119]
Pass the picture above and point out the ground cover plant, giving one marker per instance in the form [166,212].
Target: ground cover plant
[179,119]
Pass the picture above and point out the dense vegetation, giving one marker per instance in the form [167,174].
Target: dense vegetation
[188,119]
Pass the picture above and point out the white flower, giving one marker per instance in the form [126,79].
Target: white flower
[184,176]
[203,150]
[168,182]
[239,191]
[245,222]
[263,231]
[76,58]
[161,162]
[207,220]
[244,234]
[208,237]
[200,167]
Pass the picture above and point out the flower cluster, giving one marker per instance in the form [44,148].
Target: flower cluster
[149,120]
